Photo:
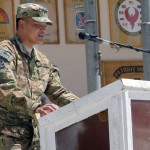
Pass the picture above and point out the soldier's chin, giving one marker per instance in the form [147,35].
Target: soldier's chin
[40,41]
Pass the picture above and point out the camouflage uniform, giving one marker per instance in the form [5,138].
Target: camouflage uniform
[23,79]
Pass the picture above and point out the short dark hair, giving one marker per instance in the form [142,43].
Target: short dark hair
[17,23]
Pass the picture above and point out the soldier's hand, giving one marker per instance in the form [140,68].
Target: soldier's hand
[47,108]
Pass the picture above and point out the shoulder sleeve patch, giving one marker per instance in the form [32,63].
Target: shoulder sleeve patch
[6,54]
[2,64]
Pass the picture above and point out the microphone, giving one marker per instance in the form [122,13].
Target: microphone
[83,36]
[90,37]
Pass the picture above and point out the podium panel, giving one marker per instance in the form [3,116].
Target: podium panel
[89,134]
[141,124]
[115,117]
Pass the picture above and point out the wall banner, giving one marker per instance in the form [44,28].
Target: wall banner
[74,13]
[125,21]
[114,70]
[6,19]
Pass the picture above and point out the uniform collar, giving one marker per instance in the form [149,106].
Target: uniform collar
[20,44]
[22,48]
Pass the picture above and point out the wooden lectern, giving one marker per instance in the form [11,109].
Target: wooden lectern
[115,117]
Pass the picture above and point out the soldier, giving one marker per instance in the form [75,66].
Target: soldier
[25,74]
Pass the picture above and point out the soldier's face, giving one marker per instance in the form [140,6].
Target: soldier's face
[34,31]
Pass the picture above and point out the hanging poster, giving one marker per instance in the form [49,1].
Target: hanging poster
[6,19]
[52,34]
[125,22]
[114,70]
[74,13]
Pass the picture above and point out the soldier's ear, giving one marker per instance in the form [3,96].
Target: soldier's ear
[21,23]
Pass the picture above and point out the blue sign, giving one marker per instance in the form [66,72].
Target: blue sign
[80,20]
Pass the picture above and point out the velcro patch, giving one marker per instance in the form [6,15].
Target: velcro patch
[2,64]
[5,54]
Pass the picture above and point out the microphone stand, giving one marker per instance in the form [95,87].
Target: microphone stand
[115,44]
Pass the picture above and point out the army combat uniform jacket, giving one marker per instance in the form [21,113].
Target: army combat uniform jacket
[23,79]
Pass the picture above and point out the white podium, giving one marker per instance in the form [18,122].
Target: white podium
[115,117]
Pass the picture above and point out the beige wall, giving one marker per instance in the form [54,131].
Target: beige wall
[70,58]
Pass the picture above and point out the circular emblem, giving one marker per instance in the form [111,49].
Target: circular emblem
[128,16]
